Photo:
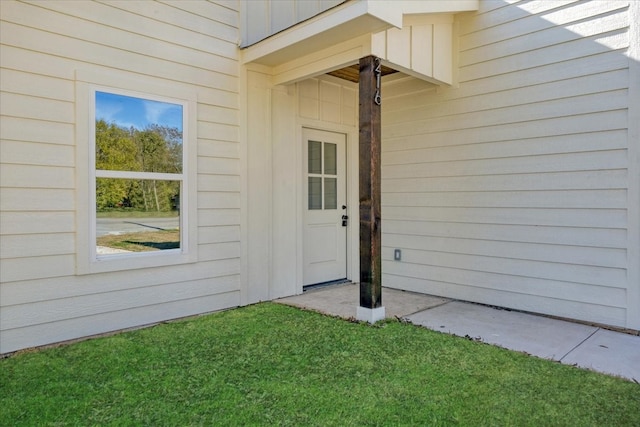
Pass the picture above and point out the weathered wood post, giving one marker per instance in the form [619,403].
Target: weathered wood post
[370,83]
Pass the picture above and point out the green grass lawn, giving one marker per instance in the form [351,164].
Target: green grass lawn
[270,364]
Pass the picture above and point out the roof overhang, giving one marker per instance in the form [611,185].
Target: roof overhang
[340,26]
[347,21]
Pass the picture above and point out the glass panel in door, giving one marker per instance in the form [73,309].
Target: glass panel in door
[315,157]
[330,193]
[315,193]
[330,166]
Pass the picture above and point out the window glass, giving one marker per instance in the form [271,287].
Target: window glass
[137,215]
[330,167]
[138,169]
[315,157]
[135,134]
[330,193]
[315,193]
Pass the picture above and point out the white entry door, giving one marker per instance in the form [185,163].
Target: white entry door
[325,200]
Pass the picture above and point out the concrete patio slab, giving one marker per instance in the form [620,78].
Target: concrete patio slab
[614,353]
[611,352]
[536,335]
[342,300]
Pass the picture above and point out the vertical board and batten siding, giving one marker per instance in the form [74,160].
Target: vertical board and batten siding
[264,18]
[274,173]
[510,189]
[422,48]
[186,45]
[328,100]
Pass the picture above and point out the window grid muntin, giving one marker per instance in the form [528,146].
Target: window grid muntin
[326,165]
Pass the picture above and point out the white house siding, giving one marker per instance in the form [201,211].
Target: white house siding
[511,188]
[264,18]
[186,45]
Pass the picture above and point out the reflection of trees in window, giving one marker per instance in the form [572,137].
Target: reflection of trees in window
[155,149]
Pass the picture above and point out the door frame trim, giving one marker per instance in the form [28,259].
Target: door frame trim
[353,233]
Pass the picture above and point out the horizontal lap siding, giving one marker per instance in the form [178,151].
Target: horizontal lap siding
[264,18]
[187,45]
[511,189]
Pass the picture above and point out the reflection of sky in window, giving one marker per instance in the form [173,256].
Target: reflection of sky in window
[127,111]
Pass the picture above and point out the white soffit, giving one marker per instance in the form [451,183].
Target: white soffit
[347,21]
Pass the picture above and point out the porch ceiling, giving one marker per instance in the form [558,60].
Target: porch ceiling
[352,72]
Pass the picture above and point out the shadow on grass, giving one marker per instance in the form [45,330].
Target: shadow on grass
[155,245]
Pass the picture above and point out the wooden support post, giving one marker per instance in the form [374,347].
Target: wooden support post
[370,211]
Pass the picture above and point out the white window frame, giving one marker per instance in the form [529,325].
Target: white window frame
[87,259]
